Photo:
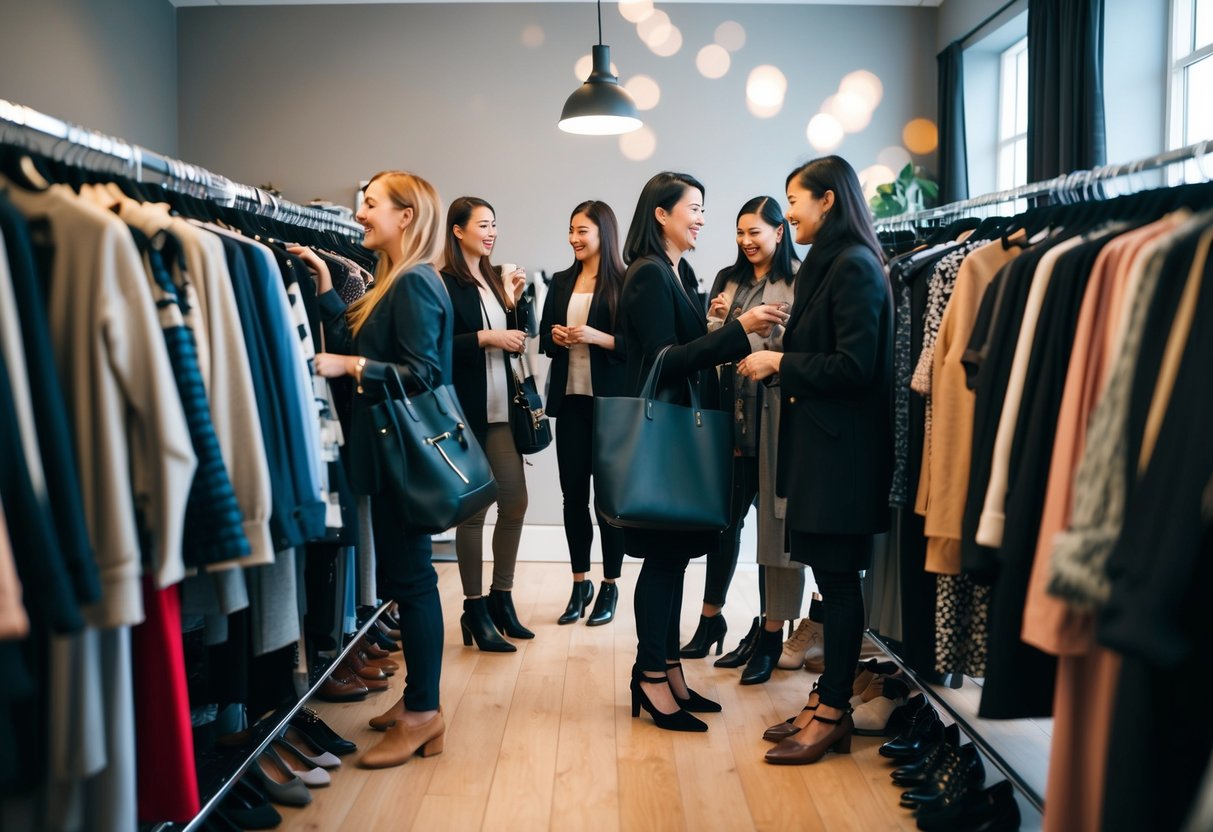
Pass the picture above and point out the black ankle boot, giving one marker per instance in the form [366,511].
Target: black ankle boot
[583,591]
[710,631]
[740,654]
[476,624]
[765,657]
[501,610]
[604,607]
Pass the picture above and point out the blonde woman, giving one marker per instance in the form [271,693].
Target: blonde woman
[403,323]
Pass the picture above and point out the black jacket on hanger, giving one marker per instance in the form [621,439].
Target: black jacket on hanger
[606,366]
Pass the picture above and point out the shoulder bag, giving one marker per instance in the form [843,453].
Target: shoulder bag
[659,465]
[529,424]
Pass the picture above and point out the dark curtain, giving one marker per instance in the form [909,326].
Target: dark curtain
[953,158]
[1065,87]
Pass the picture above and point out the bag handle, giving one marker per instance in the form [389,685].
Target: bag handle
[650,388]
[395,390]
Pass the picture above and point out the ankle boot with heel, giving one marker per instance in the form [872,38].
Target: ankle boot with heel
[583,591]
[476,624]
[711,630]
[504,616]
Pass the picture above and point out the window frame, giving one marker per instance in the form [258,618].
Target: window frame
[1010,57]
[1181,55]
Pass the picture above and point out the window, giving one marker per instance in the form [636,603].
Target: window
[1191,117]
[1013,116]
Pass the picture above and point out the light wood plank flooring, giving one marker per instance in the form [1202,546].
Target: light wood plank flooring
[544,739]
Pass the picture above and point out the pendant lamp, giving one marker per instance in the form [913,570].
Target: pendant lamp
[600,107]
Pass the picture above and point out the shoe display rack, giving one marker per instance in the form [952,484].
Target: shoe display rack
[1028,787]
[218,770]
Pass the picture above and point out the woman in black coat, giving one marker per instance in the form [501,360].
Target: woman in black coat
[402,324]
[491,316]
[835,441]
[577,332]
[659,308]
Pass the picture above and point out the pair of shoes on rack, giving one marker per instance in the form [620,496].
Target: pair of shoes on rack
[402,740]
[245,806]
[956,770]
[377,635]
[988,810]
[796,751]
[924,730]
[805,647]
[882,707]
[285,775]
[343,685]
[319,734]
[711,630]
[583,593]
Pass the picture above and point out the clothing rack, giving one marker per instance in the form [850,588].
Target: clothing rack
[1070,187]
[24,127]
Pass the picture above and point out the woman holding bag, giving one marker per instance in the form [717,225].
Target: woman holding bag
[659,310]
[835,440]
[578,333]
[491,315]
[404,323]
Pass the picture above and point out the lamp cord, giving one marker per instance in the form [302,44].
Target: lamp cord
[600,22]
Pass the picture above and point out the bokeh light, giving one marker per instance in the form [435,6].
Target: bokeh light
[875,175]
[532,36]
[669,46]
[730,35]
[864,84]
[824,132]
[894,158]
[713,61]
[655,28]
[851,111]
[634,11]
[920,136]
[765,89]
[638,145]
[644,91]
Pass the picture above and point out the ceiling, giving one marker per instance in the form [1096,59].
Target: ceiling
[180,3]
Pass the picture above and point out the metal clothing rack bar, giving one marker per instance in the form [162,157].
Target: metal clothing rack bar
[135,162]
[974,734]
[1078,185]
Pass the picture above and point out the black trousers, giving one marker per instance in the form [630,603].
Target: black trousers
[722,561]
[842,599]
[574,456]
[405,573]
[658,605]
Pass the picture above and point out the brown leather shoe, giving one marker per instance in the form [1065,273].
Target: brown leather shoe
[342,686]
[401,742]
[372,649]
[358,665]
[791,752]
[371,684]
[388,718]
[793,724]
[386,665]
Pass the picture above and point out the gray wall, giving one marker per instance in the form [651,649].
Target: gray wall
[315,98]
[106,64]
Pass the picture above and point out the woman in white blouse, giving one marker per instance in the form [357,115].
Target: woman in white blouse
[578,333]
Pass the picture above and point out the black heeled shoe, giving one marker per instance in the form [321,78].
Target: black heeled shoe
[711,630]
[604,607]
[764,658]
[583,591]
[740,654]
[694,703]
[476,624]
[925,730]
[505,618]
[680,720]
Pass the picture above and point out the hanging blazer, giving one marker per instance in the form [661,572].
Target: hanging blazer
[835,434]
[656,310]
[606,366]
[471,383]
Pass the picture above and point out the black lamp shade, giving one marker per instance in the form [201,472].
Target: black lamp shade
[600,107]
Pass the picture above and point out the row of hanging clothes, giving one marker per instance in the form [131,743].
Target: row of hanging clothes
[171,492]
[1053,486]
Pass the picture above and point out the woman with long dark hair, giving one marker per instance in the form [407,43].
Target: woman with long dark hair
[578,332]
[764,273]
[491,315]
[659,309]
[835,440]
[404,323]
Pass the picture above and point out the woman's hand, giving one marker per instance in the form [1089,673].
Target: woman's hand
[760,365]
[719,308]
[760,319]
[509,340]
[589,335]
[319,269]
[560,335]
[332,365]
[515,283]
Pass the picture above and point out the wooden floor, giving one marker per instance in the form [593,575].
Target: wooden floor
[544,738]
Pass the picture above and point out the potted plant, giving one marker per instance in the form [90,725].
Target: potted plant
[910,191]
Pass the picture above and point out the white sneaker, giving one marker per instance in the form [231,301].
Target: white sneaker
[808,634]
[815,655]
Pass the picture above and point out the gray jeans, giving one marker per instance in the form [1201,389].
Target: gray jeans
[506,463]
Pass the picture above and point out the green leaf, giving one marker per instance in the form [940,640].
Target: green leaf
[930,189]
[907,175]
[887,189]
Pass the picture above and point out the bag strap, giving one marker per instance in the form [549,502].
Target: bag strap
[650,388]
[395,390]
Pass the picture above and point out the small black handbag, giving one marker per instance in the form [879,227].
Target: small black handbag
[659,465]
[529,424]
[428,458]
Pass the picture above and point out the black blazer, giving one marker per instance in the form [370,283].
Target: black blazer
[657,309]
[835,431]
[468,368]
[606,366]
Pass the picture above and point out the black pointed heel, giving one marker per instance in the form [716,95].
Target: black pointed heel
[583,591]
[477,625]
[711,630]
[680,720]
[504,616]
[694,703]
[604,607]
